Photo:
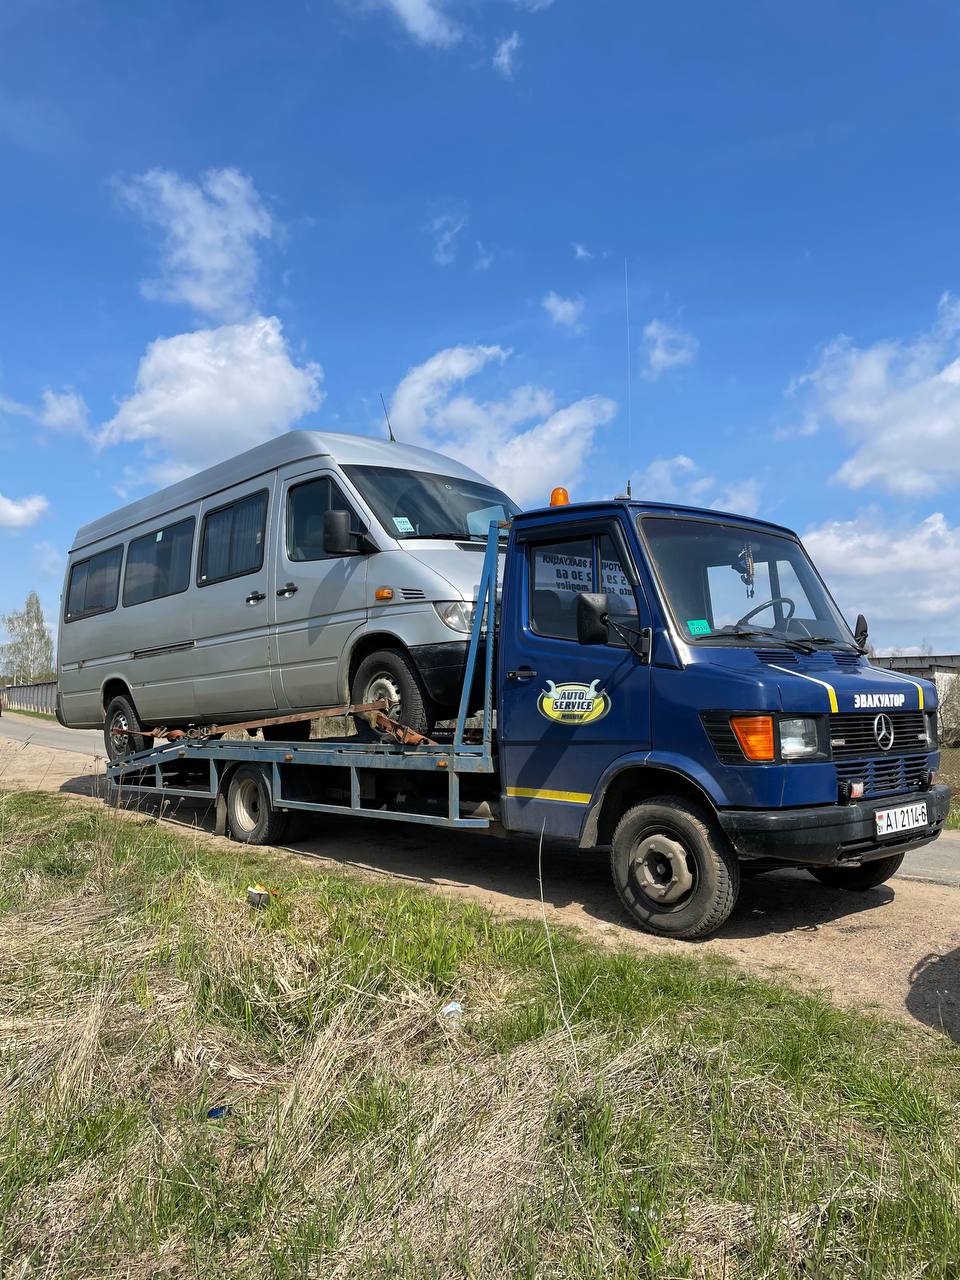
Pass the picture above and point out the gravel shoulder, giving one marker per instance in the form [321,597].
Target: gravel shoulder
[894,949]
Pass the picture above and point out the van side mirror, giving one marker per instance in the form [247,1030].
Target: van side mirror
[861,631]
[337,537]
[592,609]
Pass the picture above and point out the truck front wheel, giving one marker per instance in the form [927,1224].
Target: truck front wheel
[673,870]
[867,876]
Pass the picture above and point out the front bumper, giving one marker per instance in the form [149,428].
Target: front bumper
[829,835]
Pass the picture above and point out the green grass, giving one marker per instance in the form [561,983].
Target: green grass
[673,1117]
[950,773]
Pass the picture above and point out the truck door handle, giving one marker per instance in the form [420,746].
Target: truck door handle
[256,596]
[524,673]
[290,589]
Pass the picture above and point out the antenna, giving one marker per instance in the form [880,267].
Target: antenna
[626,301]
[393,438]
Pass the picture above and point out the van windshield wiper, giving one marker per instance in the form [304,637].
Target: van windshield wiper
[446,537]
[835,640]
[762,633]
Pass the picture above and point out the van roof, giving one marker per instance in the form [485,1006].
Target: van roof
[292,446]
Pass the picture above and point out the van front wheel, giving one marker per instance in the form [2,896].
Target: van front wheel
[122,732]
[673,870]
[389,674]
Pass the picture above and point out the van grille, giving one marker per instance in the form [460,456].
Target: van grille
[781,657]
[413,593]
[722,737]
[886,777]
[852,733]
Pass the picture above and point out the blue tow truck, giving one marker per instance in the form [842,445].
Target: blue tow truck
[673,684]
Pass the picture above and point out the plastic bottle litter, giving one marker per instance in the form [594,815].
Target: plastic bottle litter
[453,1010]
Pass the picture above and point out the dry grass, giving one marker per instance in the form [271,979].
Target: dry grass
[192,1088]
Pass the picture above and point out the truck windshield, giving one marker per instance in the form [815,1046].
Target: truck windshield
[740,585]
[417,504]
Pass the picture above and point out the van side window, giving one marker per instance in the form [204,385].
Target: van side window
[94,585]
[232,540]
[158,564]
[559,571]
[306,505]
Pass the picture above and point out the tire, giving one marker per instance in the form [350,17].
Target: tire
[251,817]
[673,869]
[390,674]
[867,876]
[122,732]
[298,731]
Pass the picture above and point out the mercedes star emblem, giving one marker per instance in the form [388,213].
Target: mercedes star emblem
[883,732]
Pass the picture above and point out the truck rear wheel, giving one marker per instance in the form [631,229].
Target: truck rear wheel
[122,732]
[251,817]
[673,870]
[867,876]
[389,674]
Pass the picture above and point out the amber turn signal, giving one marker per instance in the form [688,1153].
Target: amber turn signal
[755,735]
[383,593]
[559,497]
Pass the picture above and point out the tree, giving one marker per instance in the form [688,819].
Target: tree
[28,654]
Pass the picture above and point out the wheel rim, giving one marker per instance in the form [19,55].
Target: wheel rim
[663,872]
[383,686]
[246,805]
[120,734]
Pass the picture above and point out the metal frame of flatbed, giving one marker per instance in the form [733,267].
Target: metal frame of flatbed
[460,757]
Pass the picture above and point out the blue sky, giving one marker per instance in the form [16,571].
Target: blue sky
[221,221]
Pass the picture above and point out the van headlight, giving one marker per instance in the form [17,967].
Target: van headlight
[799,738]
[455,614]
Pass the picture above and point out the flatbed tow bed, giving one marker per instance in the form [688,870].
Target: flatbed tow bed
[256,784]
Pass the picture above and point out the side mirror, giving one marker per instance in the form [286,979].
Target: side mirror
[592,609]
[861,631]
[337,538]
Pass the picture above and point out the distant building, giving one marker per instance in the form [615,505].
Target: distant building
[943,669]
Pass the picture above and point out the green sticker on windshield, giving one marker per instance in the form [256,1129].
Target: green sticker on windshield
[698,626]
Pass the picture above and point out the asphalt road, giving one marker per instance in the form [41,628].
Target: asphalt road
[937,863]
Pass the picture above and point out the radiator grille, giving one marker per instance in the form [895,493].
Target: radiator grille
[722,737]
[888,776]
[852,733]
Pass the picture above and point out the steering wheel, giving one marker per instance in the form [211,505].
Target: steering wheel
[759,608]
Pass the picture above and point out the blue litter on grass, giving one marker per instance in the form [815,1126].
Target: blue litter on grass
[217,1113]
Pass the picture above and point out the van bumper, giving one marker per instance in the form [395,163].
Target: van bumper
[441,667]
[829,835]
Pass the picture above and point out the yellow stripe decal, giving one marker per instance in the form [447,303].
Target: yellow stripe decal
[535,793]
[831,692]
[918,687]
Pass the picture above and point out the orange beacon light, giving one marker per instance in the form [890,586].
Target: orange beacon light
[559,497]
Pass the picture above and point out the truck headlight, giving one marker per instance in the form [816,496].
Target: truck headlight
[798,738]
[455,614]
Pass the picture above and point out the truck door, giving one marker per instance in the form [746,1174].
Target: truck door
[320,600]
[567,710]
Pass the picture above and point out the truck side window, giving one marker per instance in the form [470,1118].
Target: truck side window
[306,504]
[158,564]
[232,541]
[559,571]
[94,585]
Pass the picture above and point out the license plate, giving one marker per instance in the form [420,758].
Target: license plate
[907,818]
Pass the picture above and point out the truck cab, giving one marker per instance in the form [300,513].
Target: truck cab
[679,685]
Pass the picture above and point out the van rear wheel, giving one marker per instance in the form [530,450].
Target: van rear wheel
[122,732]
[389,674]
[673,870]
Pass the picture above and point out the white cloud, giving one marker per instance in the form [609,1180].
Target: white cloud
[210,230]
[445,229]
[897,402]
[18,513]
[563,312]
[681,480]
[64,411]
[667,347]
[424,20]
[533,6]
[525,443]
[581,252]
[484,259]
[204,396]
[505,57]
[905,578]
[49,559]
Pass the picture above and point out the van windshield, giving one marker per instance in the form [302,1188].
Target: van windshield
[417,504]
[740,584]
